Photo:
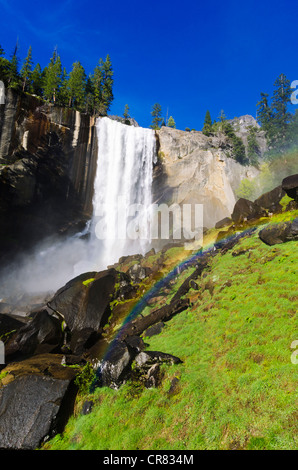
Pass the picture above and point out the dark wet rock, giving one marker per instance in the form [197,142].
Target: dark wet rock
[174,386]
[165,313]
[42,334]
[290,186]
[247,210]
[154,329]
[36,399]
[279,233]
[84,302]
[224,222]
[135,343]
[271,200]
[116,366]
[10,323]
[151,357]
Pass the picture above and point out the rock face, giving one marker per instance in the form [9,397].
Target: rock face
[196,169]
[48,157]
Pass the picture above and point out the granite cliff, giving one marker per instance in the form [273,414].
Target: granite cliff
[47,164]
[196,169]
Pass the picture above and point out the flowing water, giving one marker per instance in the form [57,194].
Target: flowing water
[122,190]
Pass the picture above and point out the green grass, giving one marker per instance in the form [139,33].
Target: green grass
[237,384]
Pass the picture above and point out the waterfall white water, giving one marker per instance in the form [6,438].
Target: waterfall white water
[122,187]
[122,191]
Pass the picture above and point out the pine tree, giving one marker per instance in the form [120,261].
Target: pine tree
[222,121]
[36,81]
[156,114]
[89,99]
[126,112]
[280,101]
[97,83]
[253,148]
[77,86]
[63,94]
[26,70]
[53,78]
[171,122]
[4,67]
[207,128]
[108,82]
[13,78]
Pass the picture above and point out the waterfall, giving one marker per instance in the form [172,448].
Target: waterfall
[120,223]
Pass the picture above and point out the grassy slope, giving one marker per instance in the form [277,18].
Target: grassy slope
[237,387]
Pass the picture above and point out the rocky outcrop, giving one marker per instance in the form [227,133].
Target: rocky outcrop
[196,169]
[48,157]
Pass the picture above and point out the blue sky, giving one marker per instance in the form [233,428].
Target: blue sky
[187,56]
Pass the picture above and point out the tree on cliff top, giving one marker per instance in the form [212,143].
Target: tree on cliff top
[26,70]
[171,122]
[77,86]
[53,78]
[103,86]
[156,114]
[207,128]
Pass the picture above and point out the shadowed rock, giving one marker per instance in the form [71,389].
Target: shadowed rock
[290,186]
[36,399]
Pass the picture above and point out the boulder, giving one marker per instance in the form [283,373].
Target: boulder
[84,302]
[279,233]
[115,366]
[42,334]
[290,186]
[154,329]
[247,210]
[147,358]
[36,400]
[138,273]
[224,222]
[271,200]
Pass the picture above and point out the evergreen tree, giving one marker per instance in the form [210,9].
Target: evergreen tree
[97,83]
[280,101]
[4,67]
[63,94]
[77,86]
[89,99]
[13,78]
[53,78]
[36,81]
[156,115]
[26,71]
[253,148]
[222,121]
[207,128]
[171,122]
[107,84]
[126,112]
